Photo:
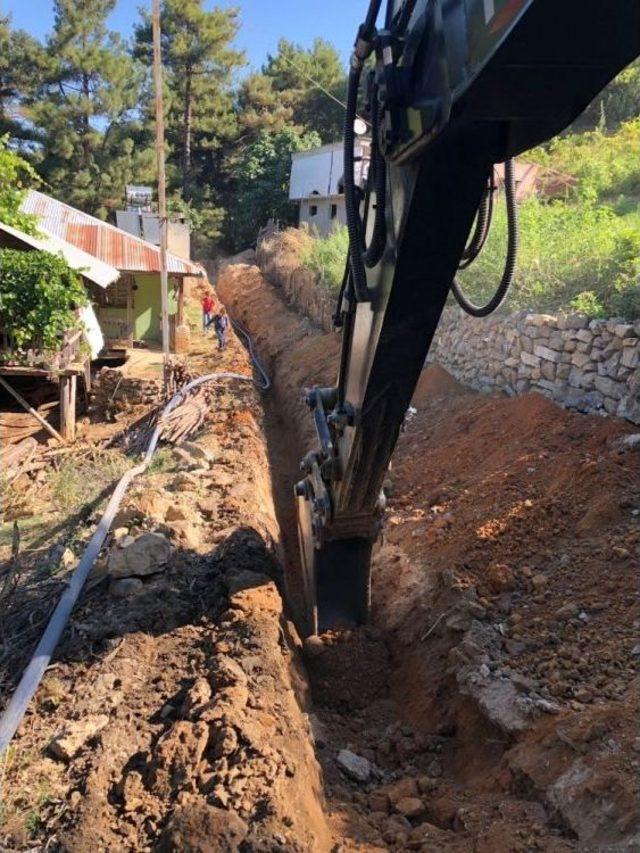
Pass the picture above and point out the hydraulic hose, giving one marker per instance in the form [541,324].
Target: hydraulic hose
[266,382]
[482,227]
[513,240]
[359,255]
[14,712]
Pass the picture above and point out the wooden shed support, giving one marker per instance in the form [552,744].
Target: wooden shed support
[32,411]
[68,387]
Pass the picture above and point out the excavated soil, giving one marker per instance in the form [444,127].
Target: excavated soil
[495,694]
[490,706]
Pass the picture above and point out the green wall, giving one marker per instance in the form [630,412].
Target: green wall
[147,307]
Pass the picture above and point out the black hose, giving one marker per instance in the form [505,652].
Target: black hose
[354,225]
[482,228]
[512,255]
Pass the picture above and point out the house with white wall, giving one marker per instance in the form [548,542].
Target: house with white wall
[316,183]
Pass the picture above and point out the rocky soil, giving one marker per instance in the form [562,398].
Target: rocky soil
[495,695]
[490,706]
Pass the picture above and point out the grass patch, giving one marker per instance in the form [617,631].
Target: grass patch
[75,485]
[326,257]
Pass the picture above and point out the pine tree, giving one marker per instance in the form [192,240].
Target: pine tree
[261,107]
[302,78]
[22,61]
[87,109]
[199,63]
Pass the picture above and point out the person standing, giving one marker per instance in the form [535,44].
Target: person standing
[221,326]
[207,311]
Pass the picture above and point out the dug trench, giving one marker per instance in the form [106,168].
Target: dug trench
[492,703]
[489,706]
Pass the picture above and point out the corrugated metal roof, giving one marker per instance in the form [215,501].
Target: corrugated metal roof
[101,239]
[87,265]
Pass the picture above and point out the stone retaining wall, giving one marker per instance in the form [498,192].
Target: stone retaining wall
[113,392]
[588,365]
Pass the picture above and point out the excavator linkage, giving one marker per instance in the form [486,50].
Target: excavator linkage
[462,85]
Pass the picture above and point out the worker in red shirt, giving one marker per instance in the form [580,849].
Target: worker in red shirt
[207,311]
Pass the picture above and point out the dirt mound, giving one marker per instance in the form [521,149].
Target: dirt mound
[436,382]
[503,590]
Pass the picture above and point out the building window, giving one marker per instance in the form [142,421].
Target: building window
[313,210]
[334,211]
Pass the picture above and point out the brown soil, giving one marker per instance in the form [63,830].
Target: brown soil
[492,696]
[504,594]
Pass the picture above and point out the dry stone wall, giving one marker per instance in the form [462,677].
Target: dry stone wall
[588,365]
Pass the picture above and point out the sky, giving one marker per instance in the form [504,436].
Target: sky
[263,22]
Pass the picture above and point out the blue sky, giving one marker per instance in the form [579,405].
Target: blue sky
[263,21]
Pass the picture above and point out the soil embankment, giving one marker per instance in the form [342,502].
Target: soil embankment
[490,706]
[496,689]
[169,720]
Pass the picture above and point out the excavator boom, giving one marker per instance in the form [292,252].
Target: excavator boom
[455,87]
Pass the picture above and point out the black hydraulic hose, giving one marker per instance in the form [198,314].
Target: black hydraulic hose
[374,252]
[513,240]
[354,225]
[482,227]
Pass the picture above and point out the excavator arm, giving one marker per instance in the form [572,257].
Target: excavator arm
[454,86]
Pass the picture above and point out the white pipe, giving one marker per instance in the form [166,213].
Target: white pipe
[32,676]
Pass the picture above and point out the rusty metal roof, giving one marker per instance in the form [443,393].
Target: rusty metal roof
[87,265]
[101,239]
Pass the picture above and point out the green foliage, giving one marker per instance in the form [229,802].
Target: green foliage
[38,296]
[295,73]
[607,165]
[15,175]
[86,110]
[567,250]
[619,102]
[261,192]
[21,60]
[326,257]
[587,303]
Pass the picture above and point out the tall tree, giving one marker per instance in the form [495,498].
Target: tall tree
[261,188]
[22,61]
[303,77]
[87,108]
[199,64]
[261,107]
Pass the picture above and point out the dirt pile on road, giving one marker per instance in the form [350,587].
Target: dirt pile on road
[504,592]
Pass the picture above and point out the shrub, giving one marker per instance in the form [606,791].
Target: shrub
[326,257]
[38,297]
[14,174]
[566,250]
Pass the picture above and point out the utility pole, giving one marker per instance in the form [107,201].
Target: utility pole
[162,181]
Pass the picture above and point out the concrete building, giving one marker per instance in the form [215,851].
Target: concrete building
[316,183]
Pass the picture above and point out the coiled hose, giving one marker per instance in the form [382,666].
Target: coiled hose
[32,676]
[513,241]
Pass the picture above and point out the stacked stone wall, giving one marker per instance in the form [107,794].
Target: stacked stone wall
[588,365]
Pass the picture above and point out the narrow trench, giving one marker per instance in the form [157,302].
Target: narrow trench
[432,762]
[351,678]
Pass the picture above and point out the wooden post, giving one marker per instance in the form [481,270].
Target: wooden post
[129,311]
[180,313]
[162,193]
[31,410]
[68,385]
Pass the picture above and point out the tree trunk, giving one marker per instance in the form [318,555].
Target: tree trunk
[187,134]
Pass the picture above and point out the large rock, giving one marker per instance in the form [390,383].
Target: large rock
[146,555]
[355,766]
[68,743]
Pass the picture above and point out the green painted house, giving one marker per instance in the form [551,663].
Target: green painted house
[130,309]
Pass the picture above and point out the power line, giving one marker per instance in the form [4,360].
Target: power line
[321,87]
